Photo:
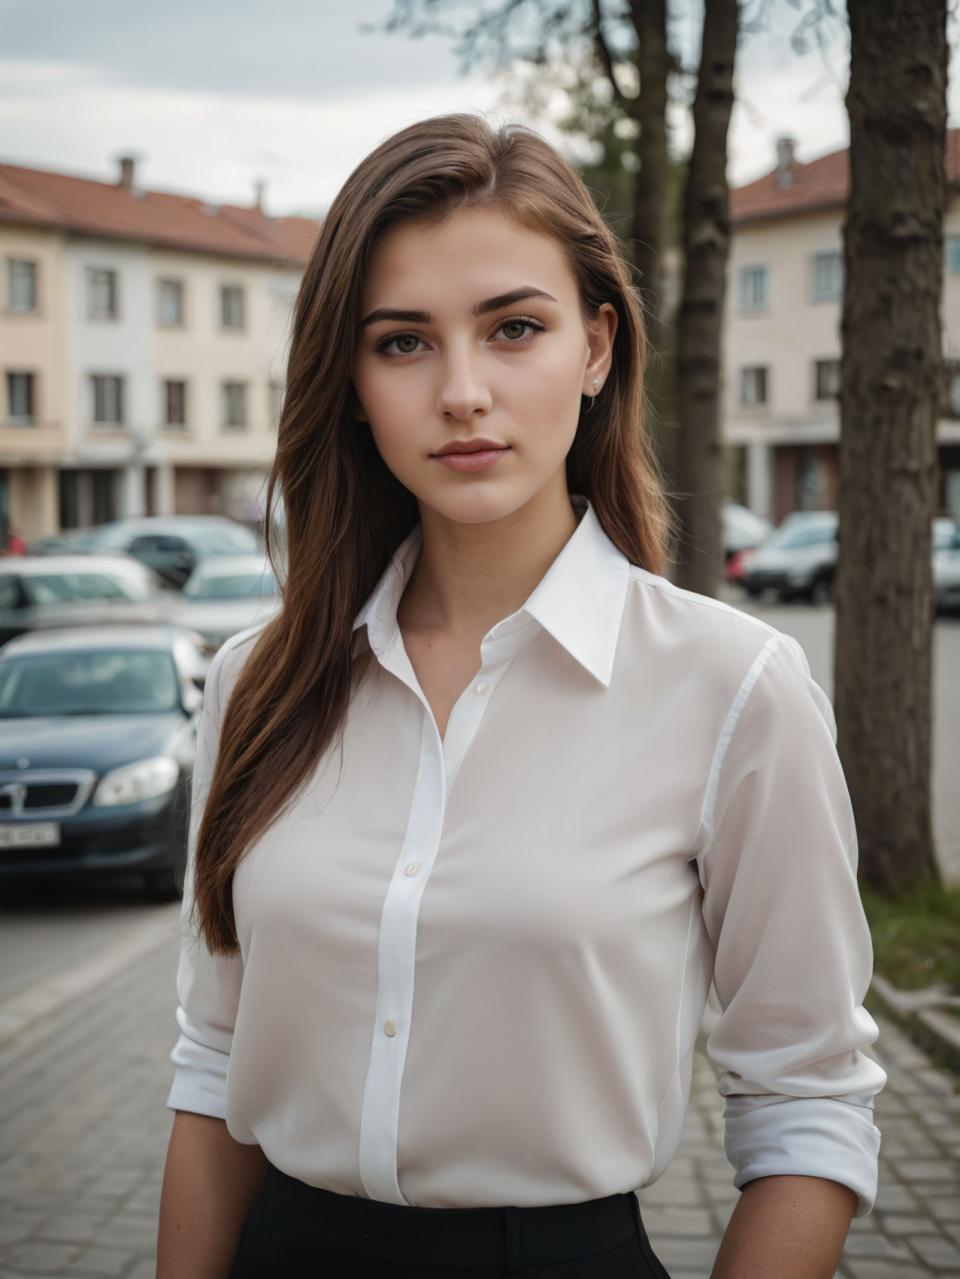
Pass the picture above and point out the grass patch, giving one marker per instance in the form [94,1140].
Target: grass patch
[916,935]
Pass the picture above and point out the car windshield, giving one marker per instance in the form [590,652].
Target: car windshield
[222,539]
[68,588]
[230,586]
[88,682]
[802,533]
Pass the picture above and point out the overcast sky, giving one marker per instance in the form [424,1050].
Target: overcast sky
[212,94]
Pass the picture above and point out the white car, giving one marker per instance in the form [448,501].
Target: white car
[226,594]
[946,565]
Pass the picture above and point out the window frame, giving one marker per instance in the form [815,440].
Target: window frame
[33,264]
[820,363]
[226,386]
[228,290]
[836,281]
[20,419]
[164,282]
[168,423]
[763,370]
[111,274]
[119,381]
[751,306]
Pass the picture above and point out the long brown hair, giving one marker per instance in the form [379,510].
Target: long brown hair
[346,513]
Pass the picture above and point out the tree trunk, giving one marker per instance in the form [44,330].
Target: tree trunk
[649,19]
[706,247]
[649,230]
[892,355]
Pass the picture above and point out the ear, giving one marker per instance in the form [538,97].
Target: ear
[600,334]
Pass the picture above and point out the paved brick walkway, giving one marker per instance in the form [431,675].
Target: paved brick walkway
[83,1133]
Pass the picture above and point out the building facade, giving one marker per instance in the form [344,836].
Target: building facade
[143,348]
[781,419]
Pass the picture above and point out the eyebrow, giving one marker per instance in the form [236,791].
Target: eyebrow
[481,308]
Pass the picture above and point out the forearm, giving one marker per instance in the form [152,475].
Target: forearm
[787,1227]
[209,1184]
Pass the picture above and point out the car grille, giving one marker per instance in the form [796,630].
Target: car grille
[44,792]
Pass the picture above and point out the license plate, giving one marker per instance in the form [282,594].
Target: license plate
[34,835]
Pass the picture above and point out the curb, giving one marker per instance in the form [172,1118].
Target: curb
[936,1032]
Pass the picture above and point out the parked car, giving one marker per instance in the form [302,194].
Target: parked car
[946,565]
[40,592]
[227,594]
[97,742]
[171,545]
[743,529]
[797,559]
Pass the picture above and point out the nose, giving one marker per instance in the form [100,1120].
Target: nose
[464,390]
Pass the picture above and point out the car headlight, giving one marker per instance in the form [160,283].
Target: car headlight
[145,779]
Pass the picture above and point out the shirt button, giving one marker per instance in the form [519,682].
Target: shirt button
[481,687]
[389,1028]
[411,869]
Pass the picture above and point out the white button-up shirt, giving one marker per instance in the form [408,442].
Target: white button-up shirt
[472,970]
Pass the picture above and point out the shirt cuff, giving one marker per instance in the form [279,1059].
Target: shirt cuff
[200,1078]
[831,1137]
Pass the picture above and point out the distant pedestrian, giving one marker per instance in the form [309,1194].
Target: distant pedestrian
[13,543]
[480,816]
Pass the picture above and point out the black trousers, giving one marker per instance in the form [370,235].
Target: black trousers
[294,1231]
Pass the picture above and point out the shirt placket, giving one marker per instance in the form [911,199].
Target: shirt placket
[440,761]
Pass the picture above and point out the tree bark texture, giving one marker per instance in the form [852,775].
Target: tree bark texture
[649,20]
[892,358]
[706,247]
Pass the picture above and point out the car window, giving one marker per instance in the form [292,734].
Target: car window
[146,542]
[793,535]
[88,682]
[65,588]
[224,540]
[232,586]
[9,591]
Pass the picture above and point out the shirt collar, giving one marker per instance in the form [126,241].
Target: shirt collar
[579,600]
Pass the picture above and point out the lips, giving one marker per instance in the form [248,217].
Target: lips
[470,446]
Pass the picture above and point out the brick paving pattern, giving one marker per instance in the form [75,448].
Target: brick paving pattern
[83,1132]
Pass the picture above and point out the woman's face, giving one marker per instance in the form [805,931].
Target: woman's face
[445,356]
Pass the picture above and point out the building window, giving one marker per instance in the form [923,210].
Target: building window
[753,385]
[101,293]
[951,388]
[175,403]
[951,247]
[231,306]
[827,379]
[20,399]
[276,403]
[827,276]
[234,404]
[107,399]
[21,285]
[753,288]
[170,303]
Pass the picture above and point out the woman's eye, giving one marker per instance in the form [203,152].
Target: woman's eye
[513,338]
[403,337]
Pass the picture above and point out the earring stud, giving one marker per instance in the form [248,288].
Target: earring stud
[596,383]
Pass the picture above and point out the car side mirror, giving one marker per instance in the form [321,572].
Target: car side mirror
[192,697]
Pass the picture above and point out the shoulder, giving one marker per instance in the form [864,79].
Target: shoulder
[710,627]
[226,665]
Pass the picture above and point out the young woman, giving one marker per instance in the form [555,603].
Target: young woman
[482,813]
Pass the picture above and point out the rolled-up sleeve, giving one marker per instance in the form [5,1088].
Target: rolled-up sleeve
[793,955]
[208,985]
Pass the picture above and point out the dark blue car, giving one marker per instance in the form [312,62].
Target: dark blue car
[97,742]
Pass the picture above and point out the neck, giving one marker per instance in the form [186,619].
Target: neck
[470,576]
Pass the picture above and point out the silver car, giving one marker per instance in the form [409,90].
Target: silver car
[946,565]
[46,591]
[226,594]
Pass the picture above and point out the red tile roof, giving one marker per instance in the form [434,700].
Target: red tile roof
[820,184]
[42,198]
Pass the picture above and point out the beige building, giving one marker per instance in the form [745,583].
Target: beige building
[143,349]
[782,337]
[31,366]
